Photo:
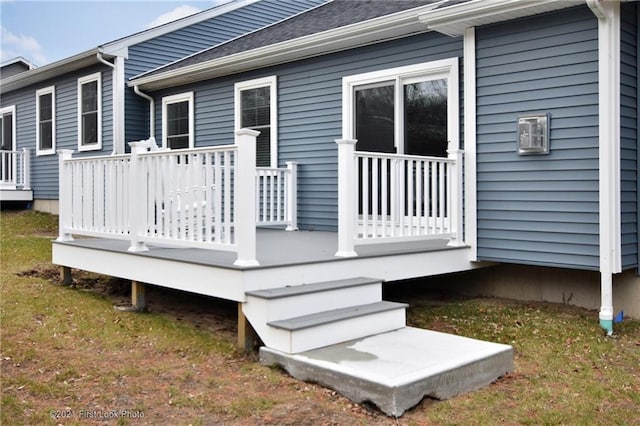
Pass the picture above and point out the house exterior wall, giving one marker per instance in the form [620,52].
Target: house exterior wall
[178,44]
[629,134]
[44,168]
[309,112]
[539,209]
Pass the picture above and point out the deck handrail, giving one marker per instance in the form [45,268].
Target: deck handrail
[15,169]
[203,198]
[392,197]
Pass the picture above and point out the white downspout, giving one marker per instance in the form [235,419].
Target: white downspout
[152,108]
[117,90]
[608,14]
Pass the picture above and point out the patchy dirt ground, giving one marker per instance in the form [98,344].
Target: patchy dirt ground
[225,389]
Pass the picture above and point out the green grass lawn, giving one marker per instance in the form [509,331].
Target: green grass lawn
[66,354]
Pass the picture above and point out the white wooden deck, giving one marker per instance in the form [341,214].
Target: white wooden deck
[286,259]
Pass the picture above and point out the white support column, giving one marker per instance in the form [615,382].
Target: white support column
[64,196]
[347,197]
[137,216]
[455,215]
[292,192]
[118,84]
[245,197]
[470,168]
[26,169]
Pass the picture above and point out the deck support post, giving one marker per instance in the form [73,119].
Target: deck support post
[245,197]
[64,195]
[138,296]
[247,336]
[65,275]
[136,214]
[347,197]
[292,192]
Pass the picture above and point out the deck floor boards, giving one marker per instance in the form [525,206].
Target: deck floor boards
[274,248]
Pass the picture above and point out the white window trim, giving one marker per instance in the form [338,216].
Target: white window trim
[45,91]
[84,80]
[445,68]
[11,109]
[272,83]
[181,97]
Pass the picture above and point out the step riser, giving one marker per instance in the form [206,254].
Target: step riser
[268,310]
[335,332]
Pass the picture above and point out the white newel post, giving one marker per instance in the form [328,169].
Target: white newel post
[245,197]
[26,184]
[455,214]
[64,196]
[347,197]
[292,192]
[137,216]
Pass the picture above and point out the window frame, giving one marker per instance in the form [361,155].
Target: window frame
[174,99]
[433,70]
[97,77]
[272,83]
[39,93]
[11,109]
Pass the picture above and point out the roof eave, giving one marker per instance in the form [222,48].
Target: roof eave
[37,75]
[362,33]
[455,19]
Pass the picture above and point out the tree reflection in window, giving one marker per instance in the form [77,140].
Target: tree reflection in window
[425,118]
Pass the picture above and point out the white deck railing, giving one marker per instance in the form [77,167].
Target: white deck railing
[277,196]
[209,198]
[391,198]
[15,169]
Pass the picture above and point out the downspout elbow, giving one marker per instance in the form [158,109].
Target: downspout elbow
[137,91]
[104,61]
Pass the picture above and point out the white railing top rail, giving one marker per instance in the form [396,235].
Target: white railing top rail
[97,157]
[188,151]
[403,156]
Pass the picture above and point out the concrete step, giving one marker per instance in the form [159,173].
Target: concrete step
[294,301]
[397,369]
[298,334]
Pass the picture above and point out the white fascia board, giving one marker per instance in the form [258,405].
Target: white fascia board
[387,27]
[453,20]
[46,72]
[160,30]
[16,60]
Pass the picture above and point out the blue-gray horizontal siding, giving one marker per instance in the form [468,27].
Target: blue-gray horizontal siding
[629,135]
[540,209]
[44,168]
[309,112]
[180,43]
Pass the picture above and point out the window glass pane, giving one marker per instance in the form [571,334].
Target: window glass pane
[263,148]
[90,128]
[178,142]
[374,117]
[46,135]
[425,118]
[178,118]
[7,132]
[45,107]
[255,107]
[90,96]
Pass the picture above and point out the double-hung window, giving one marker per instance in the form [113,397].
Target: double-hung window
[90,112]
[409,110]
[256,109]
[46,121]
[177,121]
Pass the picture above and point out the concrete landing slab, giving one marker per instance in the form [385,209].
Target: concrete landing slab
[396,370]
